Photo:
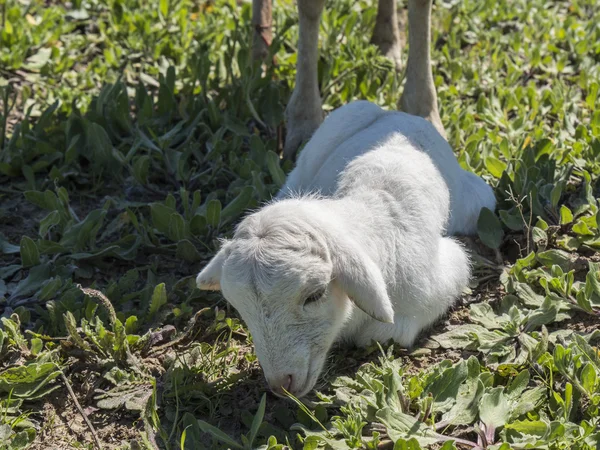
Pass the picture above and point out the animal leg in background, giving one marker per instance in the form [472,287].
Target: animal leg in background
[419,97]
[386,34]
[262,19]
[304,114]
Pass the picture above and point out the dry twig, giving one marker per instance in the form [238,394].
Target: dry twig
[78,406]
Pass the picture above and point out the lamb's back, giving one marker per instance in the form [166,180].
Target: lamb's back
[356,129]
[405,177]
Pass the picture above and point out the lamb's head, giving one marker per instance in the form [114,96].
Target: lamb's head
[291,278]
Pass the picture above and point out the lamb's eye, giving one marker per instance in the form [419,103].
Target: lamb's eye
[314,298]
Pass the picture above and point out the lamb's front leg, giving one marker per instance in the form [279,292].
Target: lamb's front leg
[304,114]
[386,34]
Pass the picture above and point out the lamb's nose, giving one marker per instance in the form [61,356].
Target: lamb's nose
[280,383]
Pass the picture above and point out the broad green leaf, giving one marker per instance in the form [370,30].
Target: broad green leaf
[524,263]
[512,221]
[589,378]
[161,216]
[469,336]
[198,225]
[277,174]
[5,433]
[133,397]
[528,296]
[404,426]
[494,409]
[528,401]
[591,353]
[8,27]
[448,445]
[495,166]
[489,229]
[177,229]
[518,384]
[141,168]
[592,280]
[37,276]
[30,255]
[237,205]
[213,213]
[131,324]
[99,141]
[30,380]
[569,243]
[127,282]
[542,316]
[566,216]
[592,96]
[38,59]
[555,257]
[257,150]
[23,439]
[581,229]
[542,224]
[48,222]
[159,299]
[187,251]
[556,194]
[530,427]
[13,332]
[196,199]
[236,126]
[51,287]
[83,235]
[36,346]
[444,387]
[466,408]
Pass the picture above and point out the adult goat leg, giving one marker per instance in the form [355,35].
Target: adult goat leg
[419,97]
[261,23]
[304,114]
[386,34]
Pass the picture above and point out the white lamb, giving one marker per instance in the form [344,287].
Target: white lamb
[367,258]
[369,263]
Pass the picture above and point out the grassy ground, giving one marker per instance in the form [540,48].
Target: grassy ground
[134,134]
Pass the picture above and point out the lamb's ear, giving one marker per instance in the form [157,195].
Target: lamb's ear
[362,281]
[209,279]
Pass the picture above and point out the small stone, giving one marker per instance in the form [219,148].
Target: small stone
[421,352]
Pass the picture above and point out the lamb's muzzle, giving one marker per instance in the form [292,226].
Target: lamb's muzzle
[282,384]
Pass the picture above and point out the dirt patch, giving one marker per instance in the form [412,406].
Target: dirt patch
[64,427]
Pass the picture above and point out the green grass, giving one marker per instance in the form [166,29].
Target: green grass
[134,134]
